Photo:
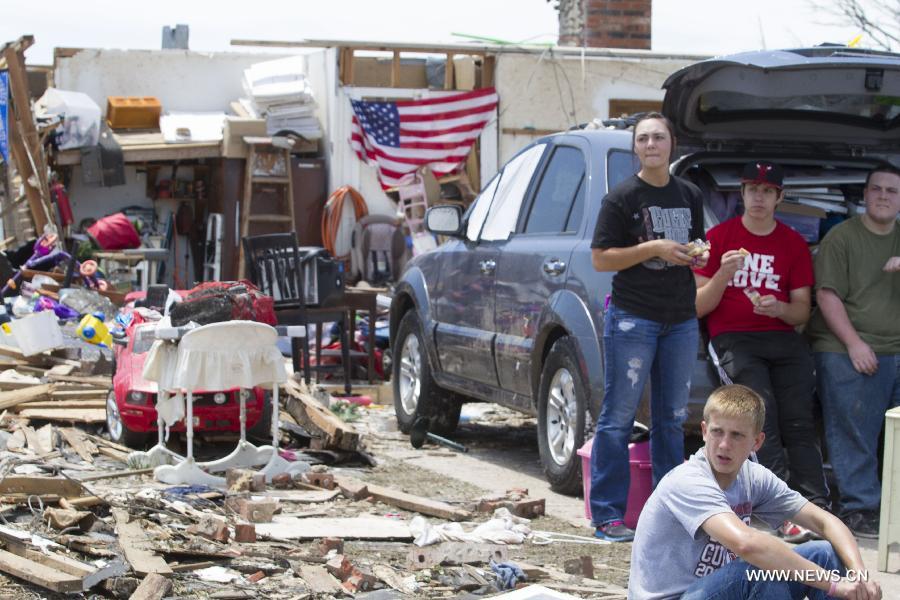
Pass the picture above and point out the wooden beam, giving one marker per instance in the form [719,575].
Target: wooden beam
[39,486]
[448,72]
[419,504]
[31,163]
[29,394]
[395,69]
[67,415]
[79,443]
[38,574]
[96,380]
[349,71]
[310,413]
[488,67]
[153,587]
[137,546]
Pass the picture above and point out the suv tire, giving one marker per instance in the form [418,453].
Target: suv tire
[415,392]
[562,411]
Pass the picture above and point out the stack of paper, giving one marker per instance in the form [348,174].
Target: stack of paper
[279,91]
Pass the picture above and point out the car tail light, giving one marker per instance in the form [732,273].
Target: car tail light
[137,398]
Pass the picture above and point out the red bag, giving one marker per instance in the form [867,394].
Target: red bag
[218,301]
[115,232]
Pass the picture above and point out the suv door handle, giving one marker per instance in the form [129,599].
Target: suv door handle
[554,266]
[487,266]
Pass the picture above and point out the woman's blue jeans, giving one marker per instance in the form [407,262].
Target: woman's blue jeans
[635,349]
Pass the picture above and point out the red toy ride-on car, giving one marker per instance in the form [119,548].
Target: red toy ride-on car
[131,404]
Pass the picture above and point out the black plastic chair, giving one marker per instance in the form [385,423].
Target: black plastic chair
[275,266]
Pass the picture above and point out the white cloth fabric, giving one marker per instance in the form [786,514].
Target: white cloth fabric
[171,409]
[159,366]
[220,356]
[503,528]
[227,355]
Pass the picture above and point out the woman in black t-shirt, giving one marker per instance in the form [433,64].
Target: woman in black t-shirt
[643,233]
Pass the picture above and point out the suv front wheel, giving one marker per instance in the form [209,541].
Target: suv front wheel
[561,417]
[415,392]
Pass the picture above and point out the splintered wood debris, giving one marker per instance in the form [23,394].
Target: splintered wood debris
[80,518]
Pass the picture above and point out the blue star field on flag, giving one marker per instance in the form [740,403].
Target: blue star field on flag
[380,120]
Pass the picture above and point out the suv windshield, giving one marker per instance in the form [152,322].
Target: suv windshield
[873,110]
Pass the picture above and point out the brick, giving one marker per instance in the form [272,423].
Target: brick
[258,482]
[211,528]
[283,481]
[238,480]
[529,509]
[256,577]
[359,581]
[322,480]
[326,545]
[254,511]
[339,566]
[245,533]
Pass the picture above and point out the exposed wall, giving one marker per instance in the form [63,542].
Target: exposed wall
[555,91]
[182,80]
[605,23]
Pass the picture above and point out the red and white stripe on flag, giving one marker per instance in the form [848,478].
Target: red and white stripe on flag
[398,137]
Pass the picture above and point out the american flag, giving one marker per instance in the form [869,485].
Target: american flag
[398,137]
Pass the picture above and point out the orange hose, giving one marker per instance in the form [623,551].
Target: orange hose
[331,216]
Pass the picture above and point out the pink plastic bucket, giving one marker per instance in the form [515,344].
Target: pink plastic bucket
[641,479]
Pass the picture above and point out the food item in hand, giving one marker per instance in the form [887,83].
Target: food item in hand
[697,247]
[743,252]
[754,295]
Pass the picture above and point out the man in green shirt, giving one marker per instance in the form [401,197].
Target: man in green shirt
[855,335]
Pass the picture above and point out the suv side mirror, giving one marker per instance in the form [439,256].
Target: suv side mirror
[444,220]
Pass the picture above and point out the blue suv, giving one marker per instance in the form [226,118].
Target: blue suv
[510,309]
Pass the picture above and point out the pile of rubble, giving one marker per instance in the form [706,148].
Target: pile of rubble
[77,519]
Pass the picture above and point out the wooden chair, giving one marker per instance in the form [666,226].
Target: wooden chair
[274,264]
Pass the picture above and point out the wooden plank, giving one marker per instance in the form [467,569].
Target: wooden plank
[29,394]
[64,370]
[320,581]
[24,139]
[100,381]
[117,474]
[105,442]
[67,404]
[153,587]
[303,496]
[38,574]
[136,546]
[68,415]
[448,72]
[79,443]
[91,394]
[285,527]
[395,69]
[419,504]
[352,489]
[25,484]
[118,455]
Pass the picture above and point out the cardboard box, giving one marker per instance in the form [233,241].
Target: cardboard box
[236,128]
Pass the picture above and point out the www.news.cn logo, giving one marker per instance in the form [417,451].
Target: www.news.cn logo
[807,575]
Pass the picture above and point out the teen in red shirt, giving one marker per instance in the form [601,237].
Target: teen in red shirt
[754,291]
